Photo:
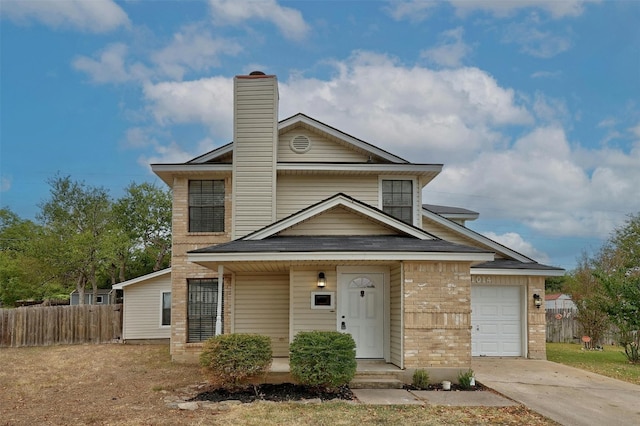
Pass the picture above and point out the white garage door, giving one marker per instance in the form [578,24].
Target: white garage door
[496,320]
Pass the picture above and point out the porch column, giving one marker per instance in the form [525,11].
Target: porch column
[219,304]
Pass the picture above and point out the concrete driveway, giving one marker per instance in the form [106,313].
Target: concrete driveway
[567,395]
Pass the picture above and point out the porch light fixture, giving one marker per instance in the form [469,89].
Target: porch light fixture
[322,280]
[537,300]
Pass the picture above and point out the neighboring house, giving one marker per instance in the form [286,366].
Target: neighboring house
[559,301]
[104,296]
[296,225]
[147,307]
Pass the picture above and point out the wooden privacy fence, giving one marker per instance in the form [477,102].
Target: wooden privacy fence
[55,325]
[562,326]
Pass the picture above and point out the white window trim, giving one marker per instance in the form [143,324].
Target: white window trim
[417,196]
[331,294]
[162,293]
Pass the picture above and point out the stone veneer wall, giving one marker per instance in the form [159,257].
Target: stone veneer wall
[183,241]
[437,314]
[536,320]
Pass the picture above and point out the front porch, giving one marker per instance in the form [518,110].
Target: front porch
[370,374]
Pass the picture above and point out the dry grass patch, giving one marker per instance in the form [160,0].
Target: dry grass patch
[128,385]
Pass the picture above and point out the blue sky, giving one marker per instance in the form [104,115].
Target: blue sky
[532,106]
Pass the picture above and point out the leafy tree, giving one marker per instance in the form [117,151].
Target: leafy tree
[77,224]
[20,271]
[619,273]
[143,215]
[586,293]
[555,284]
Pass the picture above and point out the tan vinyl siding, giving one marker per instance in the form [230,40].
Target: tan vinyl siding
[298,192]
[262,307]
[338,221]
[303,282]
[255,135]
[322,149]
[395,328]
[142,317]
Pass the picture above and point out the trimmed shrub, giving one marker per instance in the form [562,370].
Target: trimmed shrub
[323,358]
[420,379]
[465,378]
[229,359]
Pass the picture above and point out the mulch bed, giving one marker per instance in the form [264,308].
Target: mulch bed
[270,392]
[454,388]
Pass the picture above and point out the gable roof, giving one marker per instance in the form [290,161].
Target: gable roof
[408,242]
[475,236]
[452,212]
[349,203]
[141,279]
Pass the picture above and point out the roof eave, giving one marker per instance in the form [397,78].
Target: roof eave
[520,271]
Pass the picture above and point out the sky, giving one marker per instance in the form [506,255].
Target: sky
[533,106]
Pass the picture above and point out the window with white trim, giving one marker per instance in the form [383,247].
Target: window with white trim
[166,308]
[397,199]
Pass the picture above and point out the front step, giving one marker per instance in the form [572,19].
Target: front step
[375,383]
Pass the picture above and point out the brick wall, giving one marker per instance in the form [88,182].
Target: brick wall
[437,314]
[536,320]
[181,269]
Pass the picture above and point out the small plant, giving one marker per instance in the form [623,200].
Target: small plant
[420,379]
[229,359]
[323,358]
[466,379]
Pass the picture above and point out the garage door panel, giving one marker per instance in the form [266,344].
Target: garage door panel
[496,320]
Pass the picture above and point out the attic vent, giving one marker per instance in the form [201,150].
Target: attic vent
[300,144]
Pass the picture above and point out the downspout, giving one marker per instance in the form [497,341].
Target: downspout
[219,304]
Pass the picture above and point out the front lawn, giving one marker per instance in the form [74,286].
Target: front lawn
[131,385]
[610,362]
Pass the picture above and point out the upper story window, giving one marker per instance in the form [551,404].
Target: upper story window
[397,199]
[206,205]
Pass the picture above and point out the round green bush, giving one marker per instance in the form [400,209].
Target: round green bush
[323,358]
[229,359]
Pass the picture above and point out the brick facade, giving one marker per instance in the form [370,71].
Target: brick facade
[536,320]
[437,314]
[181,269]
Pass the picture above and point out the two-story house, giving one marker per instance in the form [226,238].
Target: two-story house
[296,225]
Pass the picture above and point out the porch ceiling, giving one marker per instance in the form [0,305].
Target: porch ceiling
[284,266]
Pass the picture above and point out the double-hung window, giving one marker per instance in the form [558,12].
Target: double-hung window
[206,205]
[202,308]
[397,199]
[166,308]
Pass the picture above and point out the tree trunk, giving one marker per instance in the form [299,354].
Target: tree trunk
[80,284]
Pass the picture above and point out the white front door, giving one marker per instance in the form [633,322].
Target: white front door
[361,312]
[496,321]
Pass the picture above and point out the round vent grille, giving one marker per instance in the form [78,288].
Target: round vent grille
[300,144]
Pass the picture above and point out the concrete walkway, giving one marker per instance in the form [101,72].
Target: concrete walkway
[567,395]
[450,399]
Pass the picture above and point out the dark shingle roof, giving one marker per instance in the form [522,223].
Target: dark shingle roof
[515,264]
[448,210]
[339,243]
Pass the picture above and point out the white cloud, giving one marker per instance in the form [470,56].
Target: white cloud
[194,48]
[548,185]
[535,41]
[5,183]
[450,51]
[170,153]
[289,21]
[109,67]
[546,74]
[208,101]
[409,111]
[414,10]
[95,16]
[505,8]
[515,242]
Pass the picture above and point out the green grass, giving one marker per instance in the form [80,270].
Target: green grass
[610,362]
